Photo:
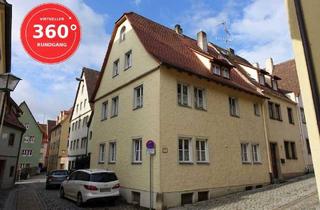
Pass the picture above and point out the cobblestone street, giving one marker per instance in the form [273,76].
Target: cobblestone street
[300,193]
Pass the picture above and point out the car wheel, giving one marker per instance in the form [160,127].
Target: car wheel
[61,192]
[79,200]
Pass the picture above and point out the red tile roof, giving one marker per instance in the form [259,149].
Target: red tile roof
[92,77]
[175,50]
[289,78]
[12,113]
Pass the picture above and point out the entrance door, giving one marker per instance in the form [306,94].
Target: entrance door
[274,162]
[2,165]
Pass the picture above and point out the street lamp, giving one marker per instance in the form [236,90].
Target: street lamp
[8,82]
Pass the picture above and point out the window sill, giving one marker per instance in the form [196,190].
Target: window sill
[104,119]
[236,116]
[136,163]
[186,106]
[203,162]
[246,163]
[201,109]
[186,162]
[114,116]
[101,162]
[257,163]
[126,68]
[112,162]
[138,107]
[113,76]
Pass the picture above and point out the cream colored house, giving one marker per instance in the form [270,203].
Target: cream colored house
[78,141]
[58,147]
[208,118]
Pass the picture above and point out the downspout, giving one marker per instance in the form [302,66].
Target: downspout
[266,139]
[17,162]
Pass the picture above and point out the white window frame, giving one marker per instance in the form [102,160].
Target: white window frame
[245,153]
[114,106]
[256,108]
[198,103]
[104,110]
[115,68]
[102,148]
[256,155]
[138,100]
[234,106]
[202,155]
[122,36]
[112,151]
[225,72]
[183,98]
[183,150]
[137,150]
[128,60]
[216,69]
[262,79]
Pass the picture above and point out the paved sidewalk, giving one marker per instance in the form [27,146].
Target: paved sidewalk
[299,193]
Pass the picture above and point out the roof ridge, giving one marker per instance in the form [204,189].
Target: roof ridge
[283,62]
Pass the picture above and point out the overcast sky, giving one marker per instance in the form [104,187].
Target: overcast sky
[258,28]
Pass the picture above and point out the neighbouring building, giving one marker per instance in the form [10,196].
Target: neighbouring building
[78,143]
[213,123]
[51,124]
[303,19]
[44,145]
[12,129]
[58,149]
[31,141]
[287,71]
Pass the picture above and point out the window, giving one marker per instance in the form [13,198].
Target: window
[79,123]
[245,153]
[128,60]
[115,70]
[77,108]
[84,103]
[31,140]
[84,122]
[80,105]
[183,94]
[225,72]
[202,150]
[82,89]
[26,126]
[290,115]
[308,146]
[234,106]
[262,79]
[115,106]
[256,153]
[216,69]
[123,34]
[104,111]
[290,150]
[274,84]
[112,152]
[184,149]
[138,97]
[199,96]
[137,150]
[256,109]
[274,111]
[101,153]
[11,171]
[11,139]
[303,117]
[77,144]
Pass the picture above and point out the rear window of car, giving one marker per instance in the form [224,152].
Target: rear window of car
[59,173]
[103,177]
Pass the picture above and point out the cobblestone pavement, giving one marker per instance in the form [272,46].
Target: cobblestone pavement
[300,193]
[34,196]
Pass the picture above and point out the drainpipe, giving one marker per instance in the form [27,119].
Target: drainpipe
[18,156]
[267,139]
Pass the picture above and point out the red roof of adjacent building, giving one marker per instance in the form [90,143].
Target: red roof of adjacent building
[12,113]
[178,51]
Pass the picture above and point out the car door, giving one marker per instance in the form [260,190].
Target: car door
[68,186]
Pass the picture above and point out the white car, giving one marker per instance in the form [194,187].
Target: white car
[87,184]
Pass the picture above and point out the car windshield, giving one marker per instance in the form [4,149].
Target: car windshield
[103,177]
[59,173]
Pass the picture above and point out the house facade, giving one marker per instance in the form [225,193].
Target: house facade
[78,141]
[58,149]
[12,129]
[31,141]
[198,105]
[44,146]
[288,72]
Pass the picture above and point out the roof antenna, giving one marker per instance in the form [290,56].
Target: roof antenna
[227,35]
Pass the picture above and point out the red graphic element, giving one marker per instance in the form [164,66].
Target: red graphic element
[50,33]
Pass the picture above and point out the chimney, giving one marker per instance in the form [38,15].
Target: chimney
[256,64]
[178,29]
[202,41]
[231,51]
[269,65]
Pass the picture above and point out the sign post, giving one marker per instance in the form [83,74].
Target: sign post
[151,150]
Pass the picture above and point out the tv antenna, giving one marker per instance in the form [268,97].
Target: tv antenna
[227,35]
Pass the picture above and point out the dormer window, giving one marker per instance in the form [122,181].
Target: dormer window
[122,33]
[216,69]
[274,84]
[262,79]
[226,72]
